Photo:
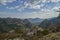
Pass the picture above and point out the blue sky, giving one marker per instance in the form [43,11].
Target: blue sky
[29,8]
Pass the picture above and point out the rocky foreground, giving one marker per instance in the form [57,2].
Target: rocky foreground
[52,36]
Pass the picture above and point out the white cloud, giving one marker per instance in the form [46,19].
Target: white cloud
[31,4]
[55,0]
[19,7]
[45,14]
[50,0]
[22,7]
[10,8]
[35,7]
[56,8]
[5,1]
[34,4]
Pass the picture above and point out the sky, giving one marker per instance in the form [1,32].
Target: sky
[29,8]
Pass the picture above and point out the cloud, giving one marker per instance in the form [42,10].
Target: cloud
[35,7]
[10,8]
[31,4]
[55,0]
[38,4]
[5,1]
[45,14]
[43,5]
[56,8]
[50,0]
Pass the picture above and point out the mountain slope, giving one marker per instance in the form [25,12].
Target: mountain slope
[7,24]
[52,21]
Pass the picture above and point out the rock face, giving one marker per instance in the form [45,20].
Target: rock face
[52,36]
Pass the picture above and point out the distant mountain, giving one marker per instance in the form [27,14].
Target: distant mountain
[35,20]
[48,22]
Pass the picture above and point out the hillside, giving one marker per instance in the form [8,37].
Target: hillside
[7,24]
[52,21]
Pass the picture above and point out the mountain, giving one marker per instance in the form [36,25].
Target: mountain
[7,24]
[10,28]
[48,22]
[35,20]
[27,23]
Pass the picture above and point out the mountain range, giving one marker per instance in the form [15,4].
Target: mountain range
[7,24]
[35,21]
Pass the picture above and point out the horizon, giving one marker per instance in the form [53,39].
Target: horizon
[29,18]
